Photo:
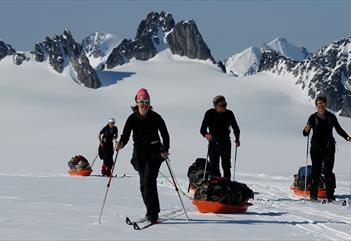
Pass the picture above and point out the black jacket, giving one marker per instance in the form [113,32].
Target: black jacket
[109,134]
[218,125]
[146,130]
[323,128]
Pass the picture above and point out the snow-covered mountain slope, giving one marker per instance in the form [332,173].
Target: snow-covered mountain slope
[247,62]
[288,49]
[244,63]
[39,106]
[98,46]
[327,72]
[47,118]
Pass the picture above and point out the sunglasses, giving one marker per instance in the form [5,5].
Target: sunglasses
[321,103]
[144,102]
[223,105]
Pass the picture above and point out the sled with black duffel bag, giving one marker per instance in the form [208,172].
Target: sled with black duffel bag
[216,194]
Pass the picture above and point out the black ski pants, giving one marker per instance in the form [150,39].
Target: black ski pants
[148,188]
[323,155]
[219,151]
[108,155]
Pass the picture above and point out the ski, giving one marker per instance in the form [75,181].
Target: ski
[145,223]
[340,202]
[130,222]
[114,176]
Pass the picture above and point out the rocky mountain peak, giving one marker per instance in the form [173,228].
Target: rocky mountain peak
[63,50]
[5,49]
[152,23]
[156,33]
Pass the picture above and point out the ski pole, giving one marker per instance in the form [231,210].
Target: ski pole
[305,190]
[176,187]
[169,181]
[97,154]
[350,187]
[236,151]
[108,185]
[207,157]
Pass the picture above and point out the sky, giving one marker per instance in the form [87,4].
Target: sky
[228,27]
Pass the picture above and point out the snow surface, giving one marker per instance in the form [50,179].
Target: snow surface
[46,118]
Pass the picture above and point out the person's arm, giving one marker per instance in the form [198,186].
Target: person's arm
[306,131]
[99,136]
[164,134]
[205,125]
[340,130]
[115,135]
[126,133]
[236,129]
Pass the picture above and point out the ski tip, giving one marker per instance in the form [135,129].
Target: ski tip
[128,221]
[136,227]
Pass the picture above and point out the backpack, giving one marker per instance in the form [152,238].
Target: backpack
[222,190]
[79,162]
[299,179]
[196,171]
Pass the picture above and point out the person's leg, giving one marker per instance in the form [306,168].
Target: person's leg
[226,155]
[150,194]
[328,172]
[108,159]
[316,171]
[214,155]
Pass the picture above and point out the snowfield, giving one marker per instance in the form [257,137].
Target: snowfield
[46,118]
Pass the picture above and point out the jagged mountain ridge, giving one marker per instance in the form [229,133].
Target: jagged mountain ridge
[327,72]
[98,46]
[63,50]
[156,33]
[247,62]
[288,49]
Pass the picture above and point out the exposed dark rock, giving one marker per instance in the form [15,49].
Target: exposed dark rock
[18,58]
[91,44]
[6,49]
[186,40]
[153,22]
[85,73]
[63,47]
[222,66]
[150,39]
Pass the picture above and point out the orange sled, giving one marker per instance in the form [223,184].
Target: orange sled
[85,172]
[322,193]
[216,207]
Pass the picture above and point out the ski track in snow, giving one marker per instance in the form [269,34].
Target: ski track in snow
[275,205]
[310,218]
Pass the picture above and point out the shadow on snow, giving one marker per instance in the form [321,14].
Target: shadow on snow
[112,77]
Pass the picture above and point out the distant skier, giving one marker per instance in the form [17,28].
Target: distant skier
[215,128]
[323,146]
[148,152]
[107,138]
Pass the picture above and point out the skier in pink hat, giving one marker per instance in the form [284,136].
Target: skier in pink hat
[149,152]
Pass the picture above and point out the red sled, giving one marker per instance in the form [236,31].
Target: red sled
[322,193]
[204,206]
[85,172]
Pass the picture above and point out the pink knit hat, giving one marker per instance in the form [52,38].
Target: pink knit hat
[142,94]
